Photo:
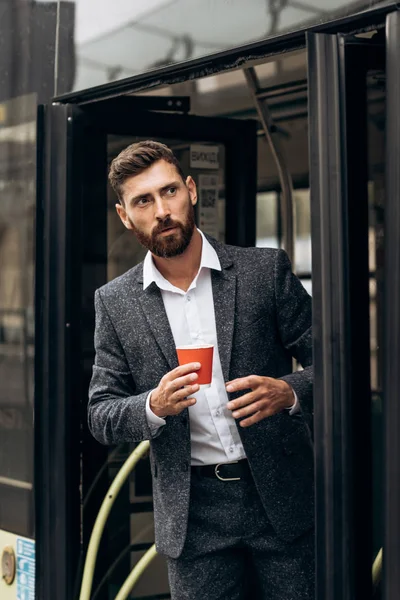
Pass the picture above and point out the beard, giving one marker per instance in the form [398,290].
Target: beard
[168,246]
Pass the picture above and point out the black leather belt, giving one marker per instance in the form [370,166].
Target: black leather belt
[234,471]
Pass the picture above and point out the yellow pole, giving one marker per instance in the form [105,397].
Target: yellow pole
[104,511]
[377,568]
[136,573]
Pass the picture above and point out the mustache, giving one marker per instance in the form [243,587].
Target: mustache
[163,225]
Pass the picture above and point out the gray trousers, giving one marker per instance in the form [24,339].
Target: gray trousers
[231,551]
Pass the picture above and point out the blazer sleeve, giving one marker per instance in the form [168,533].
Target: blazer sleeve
[115,413]
[294,317]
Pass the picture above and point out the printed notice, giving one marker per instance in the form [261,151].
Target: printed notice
[25,569]
[204,157]
[208,204]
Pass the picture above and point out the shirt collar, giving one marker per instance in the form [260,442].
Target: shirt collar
[209,260]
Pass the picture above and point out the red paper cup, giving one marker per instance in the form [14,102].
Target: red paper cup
[202,354]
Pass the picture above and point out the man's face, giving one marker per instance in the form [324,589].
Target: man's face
[158,208]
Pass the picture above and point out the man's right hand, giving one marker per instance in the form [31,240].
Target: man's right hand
[171,396]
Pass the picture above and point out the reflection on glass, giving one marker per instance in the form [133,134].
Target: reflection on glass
[267,220]
[17,223]
[127,38]
[307,283]
[268,234]
[301,199]
[376,202]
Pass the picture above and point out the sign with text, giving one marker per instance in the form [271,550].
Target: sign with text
[204,157]
[25,569]
[208,204]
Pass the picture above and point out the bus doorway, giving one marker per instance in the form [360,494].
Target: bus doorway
[86,246]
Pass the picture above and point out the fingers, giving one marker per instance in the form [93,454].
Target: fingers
[258,416]
[182,370]
[185,392]
[243,383]
[182,404]
[253,406]
[250,409]
[180,382]
[172,393]
[242,401]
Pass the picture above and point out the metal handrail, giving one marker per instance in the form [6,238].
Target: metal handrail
[377,569]
[95,538]
[127,550]
[99,474]
[288,207]
[136,573]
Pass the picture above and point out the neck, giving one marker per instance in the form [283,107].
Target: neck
[181,270]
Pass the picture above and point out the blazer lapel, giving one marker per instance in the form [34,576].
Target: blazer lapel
[224,292]
[153,307]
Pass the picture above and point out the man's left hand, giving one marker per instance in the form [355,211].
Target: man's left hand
[267,397]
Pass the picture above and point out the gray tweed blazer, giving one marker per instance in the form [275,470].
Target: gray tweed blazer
[263,319]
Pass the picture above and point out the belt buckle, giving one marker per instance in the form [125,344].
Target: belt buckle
[225,478]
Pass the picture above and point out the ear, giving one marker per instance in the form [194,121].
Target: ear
[123,216]
[191,186]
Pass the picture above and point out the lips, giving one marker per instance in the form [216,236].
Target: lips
[169,229]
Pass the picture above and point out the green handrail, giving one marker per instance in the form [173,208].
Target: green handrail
[136,573]
[377,569]
[93,548]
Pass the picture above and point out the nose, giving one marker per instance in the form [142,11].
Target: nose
[162,209]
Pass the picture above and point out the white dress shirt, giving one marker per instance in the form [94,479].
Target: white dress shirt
[213,431]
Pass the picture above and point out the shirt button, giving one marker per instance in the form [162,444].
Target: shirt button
[217,413]
[231,449]
[187,298]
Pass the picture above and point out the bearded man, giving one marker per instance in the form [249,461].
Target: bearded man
[232,465]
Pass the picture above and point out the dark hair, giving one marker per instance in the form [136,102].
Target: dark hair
[135,159]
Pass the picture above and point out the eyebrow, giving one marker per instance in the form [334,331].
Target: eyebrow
[162,190]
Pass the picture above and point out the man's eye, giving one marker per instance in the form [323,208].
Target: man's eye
[142,201]
[171,191]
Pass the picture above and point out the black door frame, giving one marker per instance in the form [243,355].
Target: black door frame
[339,205]
[72,184]
[391,382]
[231,59]
[339,209]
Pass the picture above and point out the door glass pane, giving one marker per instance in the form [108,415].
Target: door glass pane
[267,234]
[376,199]
[17,252]
[301,200]
[302,240]
[307,283]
